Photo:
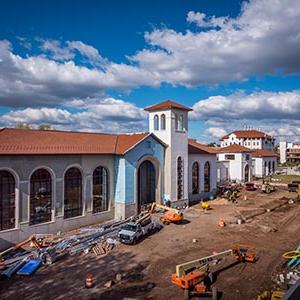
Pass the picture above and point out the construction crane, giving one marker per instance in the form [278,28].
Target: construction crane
[195,278]
[171,215]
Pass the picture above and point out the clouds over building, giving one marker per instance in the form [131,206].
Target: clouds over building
[263,39]
[276,112]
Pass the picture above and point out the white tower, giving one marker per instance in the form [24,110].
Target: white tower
[169,122]
[282,151]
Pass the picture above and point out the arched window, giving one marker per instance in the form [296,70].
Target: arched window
[179,122]
[40,197]
[100,190]
[273,166]
[179,178]
[181,125]
[156,122]
[207,177]
[195,178]
[7,200]
[163,122]
[73,193]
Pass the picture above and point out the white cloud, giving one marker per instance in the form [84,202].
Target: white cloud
[263,39]
[274,112]
[203,21]
[61,51]
[102,115]
[215,132]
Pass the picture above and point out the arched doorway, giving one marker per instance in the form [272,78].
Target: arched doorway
[247,174]
[146,183]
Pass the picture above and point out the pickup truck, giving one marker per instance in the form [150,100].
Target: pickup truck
[131,232]
[293,186]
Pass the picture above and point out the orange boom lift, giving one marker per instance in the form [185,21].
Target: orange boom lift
[195,278]
[171,215]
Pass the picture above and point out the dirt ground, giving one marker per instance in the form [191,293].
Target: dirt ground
[147,266]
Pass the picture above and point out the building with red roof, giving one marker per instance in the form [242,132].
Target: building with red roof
[59,180]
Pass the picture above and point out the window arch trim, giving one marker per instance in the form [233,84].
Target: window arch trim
[41,191]
[156,122]
[163,122]
[81,206]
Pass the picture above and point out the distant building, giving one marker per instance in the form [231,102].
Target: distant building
[245,154]
[252,139]
[289,152]
[234,163]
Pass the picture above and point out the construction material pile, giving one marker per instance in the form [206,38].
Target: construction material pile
[28,256]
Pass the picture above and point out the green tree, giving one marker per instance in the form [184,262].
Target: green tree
[44,127]
[21,125]
[212,144]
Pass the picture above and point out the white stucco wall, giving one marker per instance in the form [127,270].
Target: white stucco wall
[251,143]
[236,167]
[202,159]
[259,163]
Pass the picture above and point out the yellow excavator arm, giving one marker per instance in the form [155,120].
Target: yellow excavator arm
[200,263]
[156,205]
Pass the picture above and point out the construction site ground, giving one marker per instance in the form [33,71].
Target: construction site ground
[146,267]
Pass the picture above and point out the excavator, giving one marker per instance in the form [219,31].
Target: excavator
[195,278]
[171,215]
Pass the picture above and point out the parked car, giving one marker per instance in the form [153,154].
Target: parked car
[250,186]
[132,232]
[293,186]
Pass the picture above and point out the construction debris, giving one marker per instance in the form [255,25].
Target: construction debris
[109,284]
[45,249]
[102,248]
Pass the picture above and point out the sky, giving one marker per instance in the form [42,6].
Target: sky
[94,65]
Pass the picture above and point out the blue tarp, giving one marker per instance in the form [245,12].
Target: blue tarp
[30,267]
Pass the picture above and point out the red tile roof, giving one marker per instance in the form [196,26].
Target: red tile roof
[195,147]
[264,153]
[246,134]
[234,148]
[166,105]
[25,141]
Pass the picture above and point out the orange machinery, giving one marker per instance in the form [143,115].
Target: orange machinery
[194,276]
[171,215]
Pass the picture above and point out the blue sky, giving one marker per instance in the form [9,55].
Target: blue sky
[92,65]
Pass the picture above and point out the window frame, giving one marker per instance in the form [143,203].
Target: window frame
[163,122]
[156,122]
[106,201]
[80,207]
[11,220]
[207,177]
[180,178]
[35,196]
[195,178]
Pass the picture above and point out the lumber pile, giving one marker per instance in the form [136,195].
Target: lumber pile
[102,248]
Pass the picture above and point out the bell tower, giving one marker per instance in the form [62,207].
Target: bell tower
[168,120]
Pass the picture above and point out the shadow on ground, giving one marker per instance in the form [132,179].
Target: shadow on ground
[66,279]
